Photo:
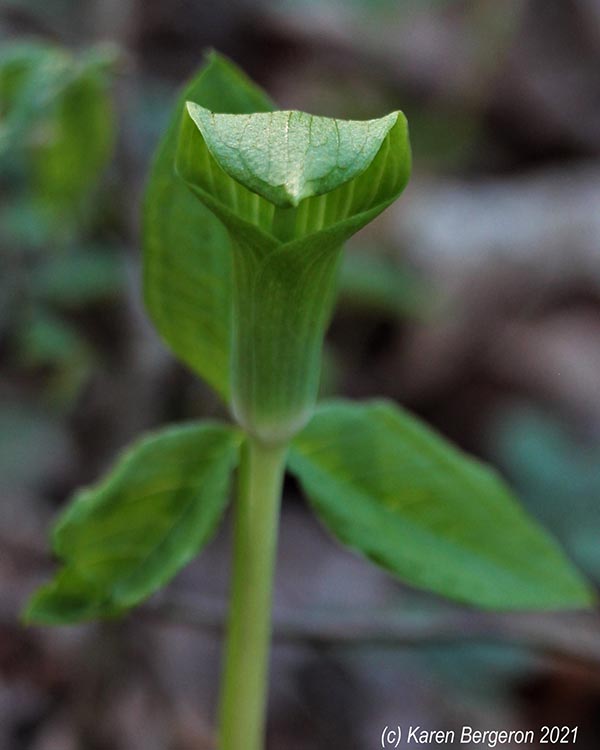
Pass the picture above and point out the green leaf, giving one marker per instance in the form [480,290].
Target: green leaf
[187,253]
[126,537]
[389,487]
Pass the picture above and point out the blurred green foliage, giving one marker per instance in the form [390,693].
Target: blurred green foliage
[57,134]
[371,7]
[32,445]
[56,126]
[371,280]
[558,476]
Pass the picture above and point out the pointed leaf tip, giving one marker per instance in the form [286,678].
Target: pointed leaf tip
[390,488]
[124,538]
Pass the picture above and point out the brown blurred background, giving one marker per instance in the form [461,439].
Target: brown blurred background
[475,301]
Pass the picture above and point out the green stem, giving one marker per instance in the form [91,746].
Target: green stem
[245,673]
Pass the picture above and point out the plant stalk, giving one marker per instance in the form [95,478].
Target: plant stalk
[245,673]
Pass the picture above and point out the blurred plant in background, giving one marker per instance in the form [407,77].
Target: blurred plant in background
[57,134]
[558,474]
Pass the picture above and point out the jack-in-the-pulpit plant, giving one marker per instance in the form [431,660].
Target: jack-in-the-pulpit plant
[246,213]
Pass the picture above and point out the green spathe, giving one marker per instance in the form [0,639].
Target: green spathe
[288,156]
[248,189]
[290,188]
